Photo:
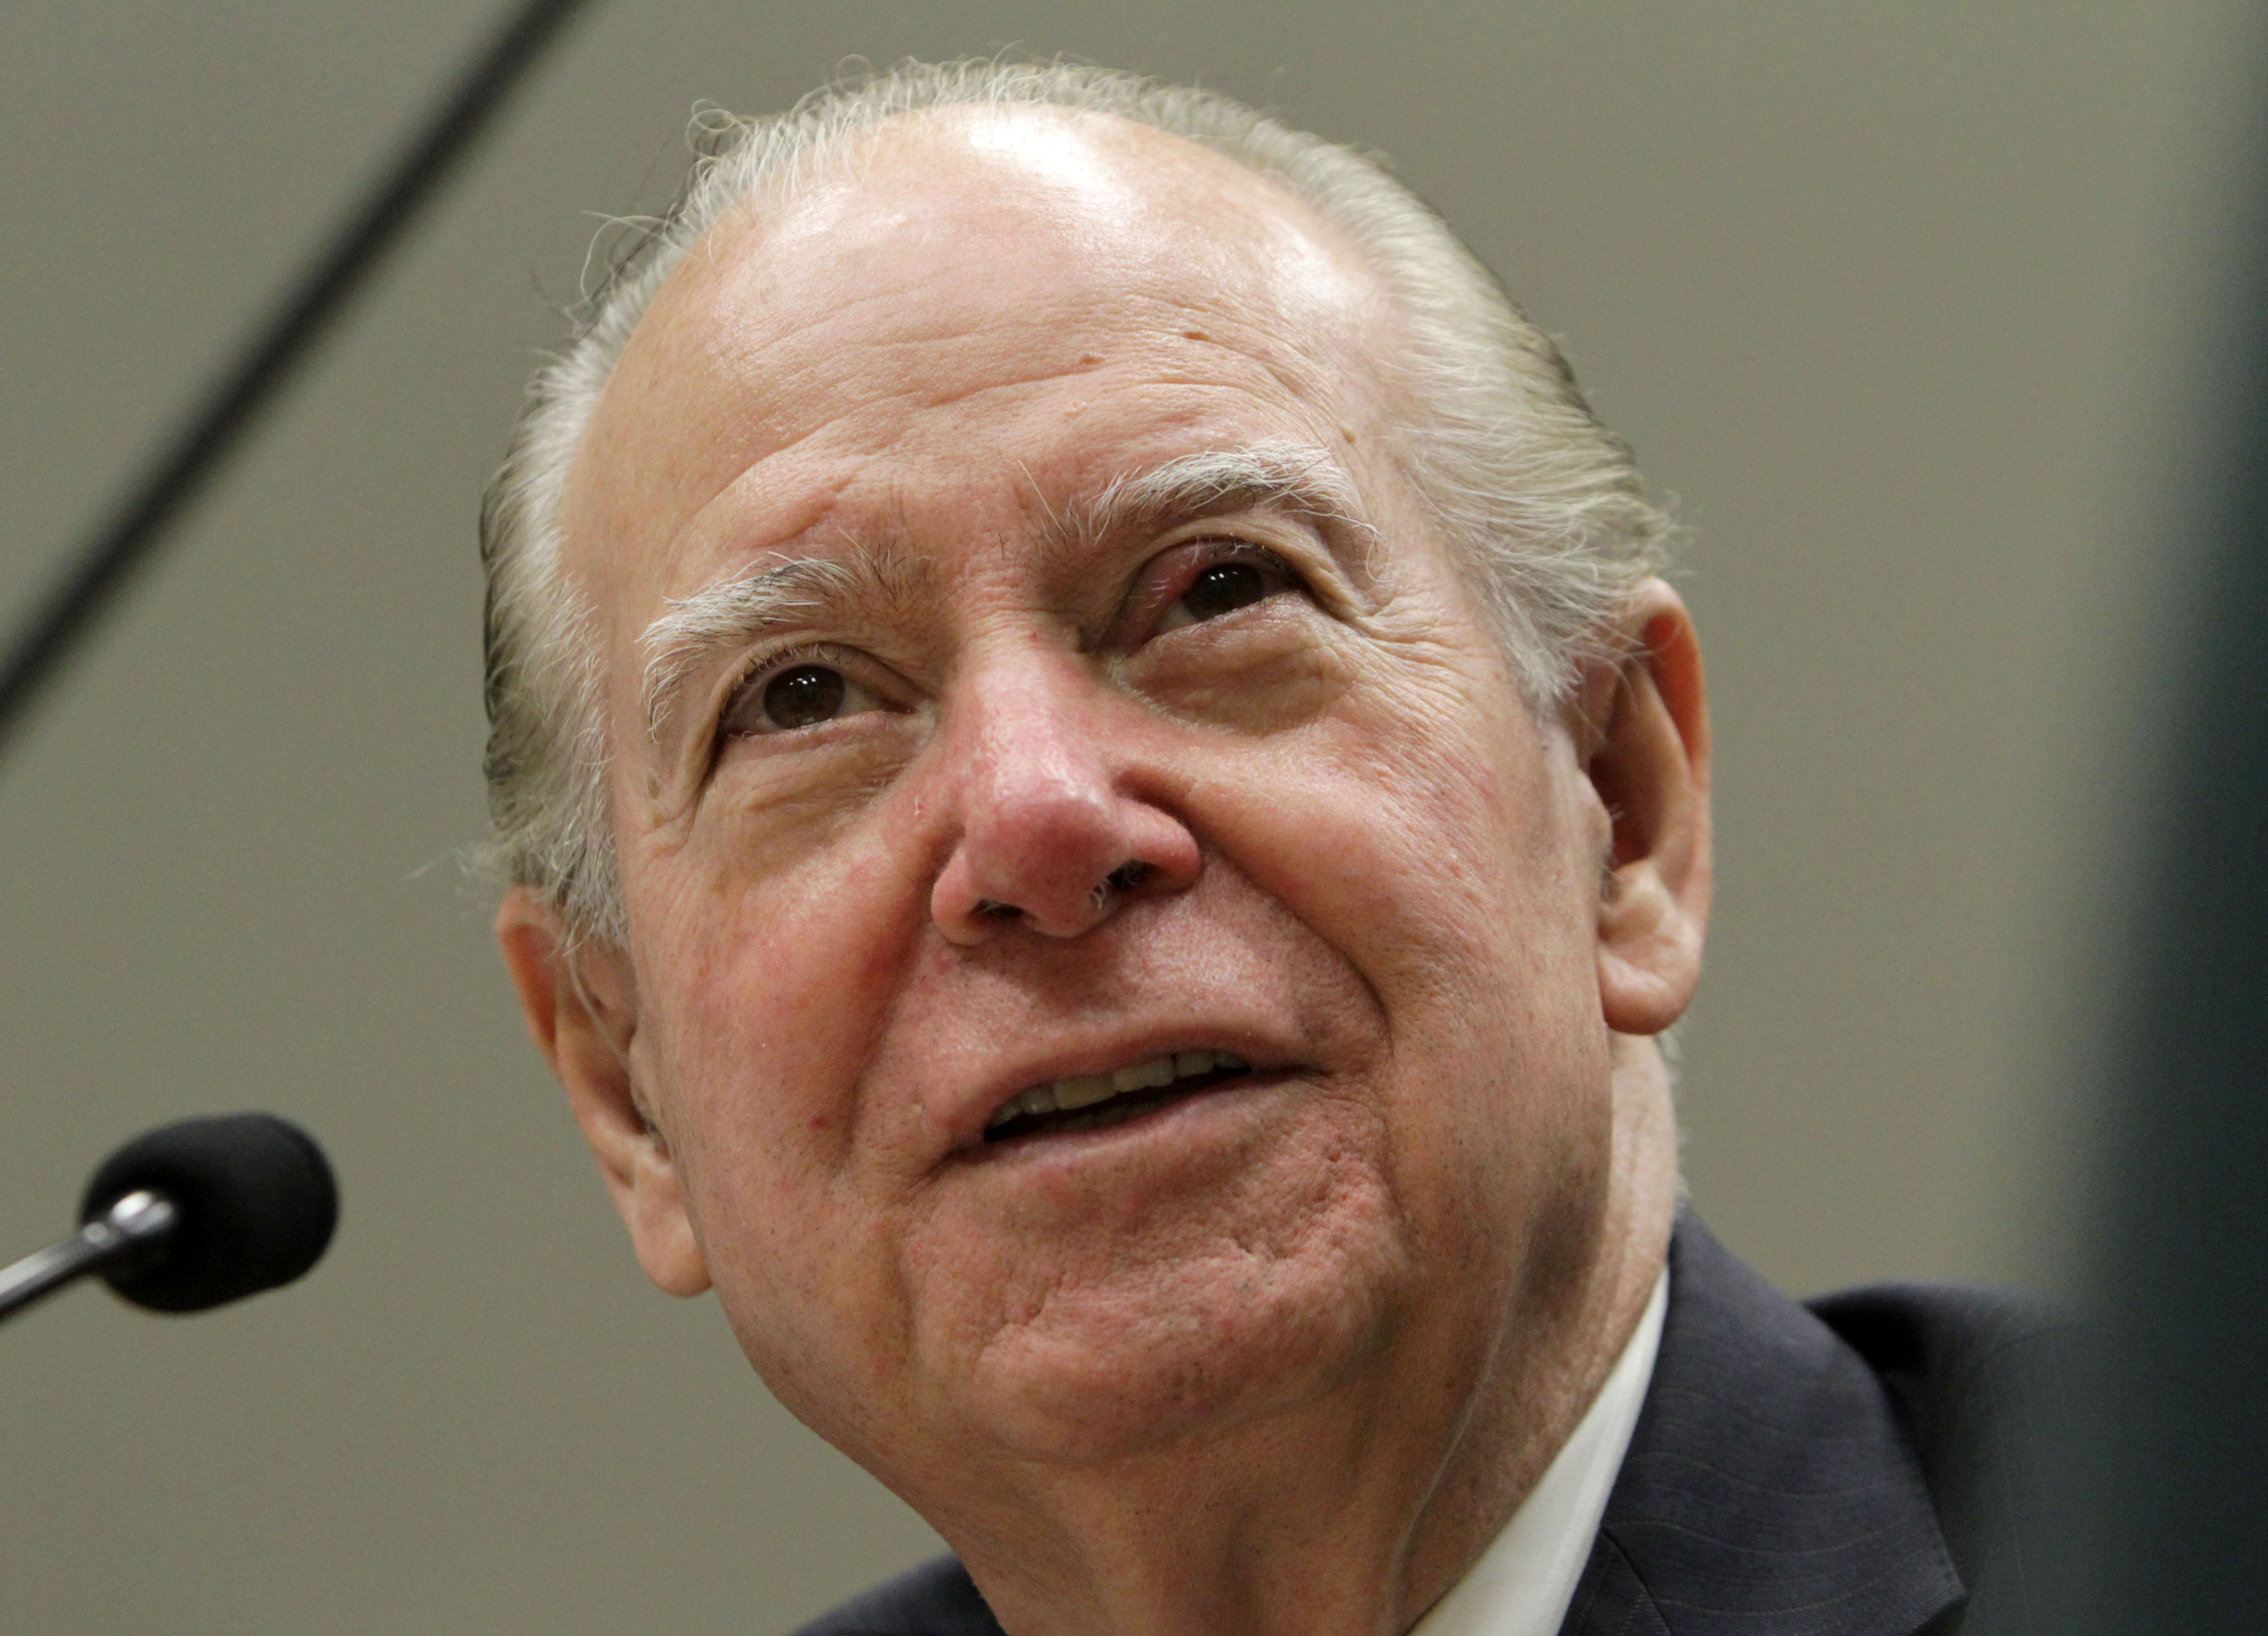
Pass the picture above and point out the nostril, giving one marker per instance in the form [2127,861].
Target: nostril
[1125,878]
[992,909]
[1128,875]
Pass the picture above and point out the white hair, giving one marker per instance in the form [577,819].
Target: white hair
[1541,504]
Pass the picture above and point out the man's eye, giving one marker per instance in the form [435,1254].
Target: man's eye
[1223,588]
[802,695]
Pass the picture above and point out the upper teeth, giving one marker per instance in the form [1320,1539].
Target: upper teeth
[1084,1090]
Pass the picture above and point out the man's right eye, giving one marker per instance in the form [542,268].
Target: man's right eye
[798,695]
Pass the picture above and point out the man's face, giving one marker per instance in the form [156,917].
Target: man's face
[1085,693]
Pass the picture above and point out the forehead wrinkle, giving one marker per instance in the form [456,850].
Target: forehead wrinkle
[743,606]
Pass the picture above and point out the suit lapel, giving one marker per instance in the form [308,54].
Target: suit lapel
[1770,1489]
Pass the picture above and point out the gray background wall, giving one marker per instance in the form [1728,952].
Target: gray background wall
[1896,300]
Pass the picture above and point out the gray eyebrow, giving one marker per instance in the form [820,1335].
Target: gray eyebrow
[730,612]
[1277,472]
[1282,473]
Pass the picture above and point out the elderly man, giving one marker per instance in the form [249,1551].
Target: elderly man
[1105,808]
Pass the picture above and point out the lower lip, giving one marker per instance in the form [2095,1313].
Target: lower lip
[1154,1122]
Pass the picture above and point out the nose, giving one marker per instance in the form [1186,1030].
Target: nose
[1055,834]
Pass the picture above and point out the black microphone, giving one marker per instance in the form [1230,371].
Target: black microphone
[192,1215]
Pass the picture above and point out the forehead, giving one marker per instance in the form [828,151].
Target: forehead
[1002,300]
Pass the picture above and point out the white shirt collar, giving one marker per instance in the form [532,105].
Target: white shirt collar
[1522,1583]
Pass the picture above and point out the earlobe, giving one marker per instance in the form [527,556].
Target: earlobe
[580,1005]
[1646,727]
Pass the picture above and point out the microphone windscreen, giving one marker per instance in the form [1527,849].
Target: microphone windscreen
[256,1200]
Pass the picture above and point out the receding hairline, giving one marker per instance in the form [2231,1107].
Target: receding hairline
[927,128]
[941,133]
[841,160]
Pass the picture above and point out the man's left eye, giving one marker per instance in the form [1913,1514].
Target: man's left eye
[1223,587]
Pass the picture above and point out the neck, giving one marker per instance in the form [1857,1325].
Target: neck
[1353,1515]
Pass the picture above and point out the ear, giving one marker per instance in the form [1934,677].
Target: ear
[581,1006]
[1645,731]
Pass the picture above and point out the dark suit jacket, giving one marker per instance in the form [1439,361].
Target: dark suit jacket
[1878,1465]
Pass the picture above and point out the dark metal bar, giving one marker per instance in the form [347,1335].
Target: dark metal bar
[211,433]
[135,1225]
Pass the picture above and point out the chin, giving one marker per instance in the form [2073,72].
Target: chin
[1151,1352]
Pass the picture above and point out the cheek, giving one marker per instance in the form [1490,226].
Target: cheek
[770,976]
[1447,867]
[1440,859]
[752,1043]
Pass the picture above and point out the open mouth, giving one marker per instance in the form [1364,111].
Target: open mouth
[1088,1101]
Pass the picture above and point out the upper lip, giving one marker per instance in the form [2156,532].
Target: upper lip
[963,1113]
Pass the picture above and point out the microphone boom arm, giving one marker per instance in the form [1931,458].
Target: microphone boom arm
[138,1226]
